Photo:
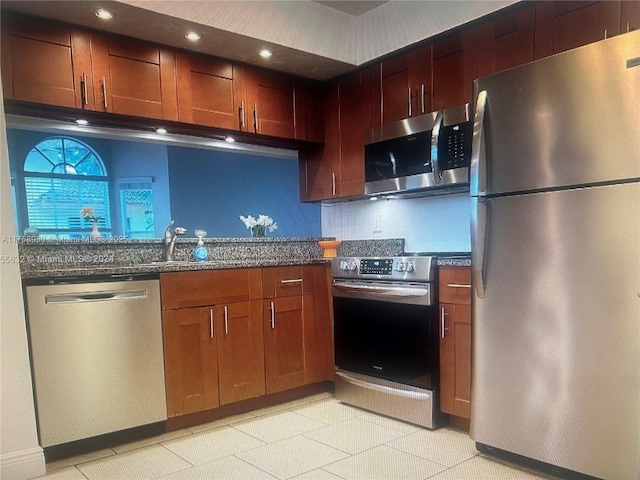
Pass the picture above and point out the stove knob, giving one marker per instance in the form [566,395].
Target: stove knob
[410,267]
[400,267]
[352,266]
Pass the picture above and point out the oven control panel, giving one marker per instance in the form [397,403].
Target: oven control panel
[388,268]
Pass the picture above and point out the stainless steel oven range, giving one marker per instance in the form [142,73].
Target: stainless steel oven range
[386,336]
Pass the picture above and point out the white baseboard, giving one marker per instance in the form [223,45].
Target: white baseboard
[23,465]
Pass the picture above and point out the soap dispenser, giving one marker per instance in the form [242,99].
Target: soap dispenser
[201,253]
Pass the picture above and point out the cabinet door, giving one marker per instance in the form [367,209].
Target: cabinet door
[561,26]
[354,120]
[134,78]
[629,15]
[191,362]
[210,92]
[239,337]
[309,114]
[44,62]
[270,96]
[455,359]
[284,320]
[506,42]
[318,328]
[395,88]
[455,66]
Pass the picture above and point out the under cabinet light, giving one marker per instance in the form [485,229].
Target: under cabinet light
[193,36]
[229,139]
[103,14]
[161,130]
[264,53]
[82,122]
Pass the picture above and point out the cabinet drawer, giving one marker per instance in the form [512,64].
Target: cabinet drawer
[286,281]
[455,285]
[209,287]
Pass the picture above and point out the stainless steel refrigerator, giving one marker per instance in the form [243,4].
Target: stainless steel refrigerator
[555,185]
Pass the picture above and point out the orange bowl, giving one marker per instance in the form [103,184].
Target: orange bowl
[329,247]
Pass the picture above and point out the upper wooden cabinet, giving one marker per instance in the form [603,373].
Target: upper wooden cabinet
[309,121]
[506,41]
[134,78]
[401,87]
[271,101]
[45,62]
[561,26]
[211,92]
[455,66]
[629,15]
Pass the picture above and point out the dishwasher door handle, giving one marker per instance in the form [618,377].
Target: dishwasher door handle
[95,296]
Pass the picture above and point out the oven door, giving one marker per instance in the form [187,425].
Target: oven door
[389,335]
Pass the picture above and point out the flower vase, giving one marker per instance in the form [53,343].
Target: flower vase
[258,231]
[95,233]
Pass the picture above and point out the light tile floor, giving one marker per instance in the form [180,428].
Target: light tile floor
[314,438]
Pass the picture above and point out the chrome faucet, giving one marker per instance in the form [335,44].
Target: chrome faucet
[170,240]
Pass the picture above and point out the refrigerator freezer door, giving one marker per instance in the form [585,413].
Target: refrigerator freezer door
[556,340]
[570,119]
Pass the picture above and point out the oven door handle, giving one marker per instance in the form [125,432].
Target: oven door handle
[394,291]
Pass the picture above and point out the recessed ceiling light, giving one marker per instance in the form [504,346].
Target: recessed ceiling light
[229,139]
[193,36]
[161,130]
[264,53]
[82,121]
[103,14]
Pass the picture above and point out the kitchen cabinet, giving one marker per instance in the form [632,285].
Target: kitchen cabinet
[132,77]
[270,99]
[46,62]
[629,16]
[239,339]
[337,170]
[401,87]
[297,320]
[561,26]
[455,340]
[506,41]
[211,92]
[191,360]
[213,338]
[455,66]
[309,118]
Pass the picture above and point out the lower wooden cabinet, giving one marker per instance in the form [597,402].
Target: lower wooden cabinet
[239,338]
[455,340]
[191,360]
[227,350]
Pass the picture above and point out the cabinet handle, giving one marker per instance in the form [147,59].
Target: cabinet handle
[211,323]
[422,98]
[628,27]
[85,90]
[605,34]
[410,109]
[226,320]
[273,315]
[442,321]
[288,282]
[255,117]
[333,183]
[458,285]
[104,91]
[242,122]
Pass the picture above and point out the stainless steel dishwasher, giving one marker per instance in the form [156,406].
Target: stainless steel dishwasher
[97,356]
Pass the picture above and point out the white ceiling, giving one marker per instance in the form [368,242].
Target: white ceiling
[314,39]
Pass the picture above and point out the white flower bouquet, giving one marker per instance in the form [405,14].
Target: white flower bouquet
[259,225]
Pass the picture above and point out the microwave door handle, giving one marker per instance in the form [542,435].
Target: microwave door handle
[435,132]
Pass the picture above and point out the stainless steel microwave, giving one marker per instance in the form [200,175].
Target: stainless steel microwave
[422,155]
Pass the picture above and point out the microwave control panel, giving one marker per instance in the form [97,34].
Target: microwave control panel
[454,145]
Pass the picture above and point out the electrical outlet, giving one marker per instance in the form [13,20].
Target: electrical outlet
[376,223]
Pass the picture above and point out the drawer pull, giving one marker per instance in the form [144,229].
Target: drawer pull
[226,320]
[290,282]
[458,285]
[273,315]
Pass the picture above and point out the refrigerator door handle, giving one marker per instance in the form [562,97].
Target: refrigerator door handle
[479,207]
[435,133]
[478,148]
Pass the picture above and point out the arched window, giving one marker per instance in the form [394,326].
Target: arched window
[62,175]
